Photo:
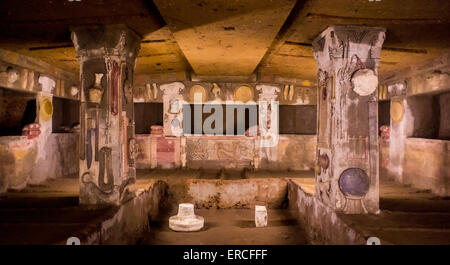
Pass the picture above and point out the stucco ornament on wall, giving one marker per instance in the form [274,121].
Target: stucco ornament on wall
[12,75]
[397,89]
[172,102]
[217,93]
[74,91]
[175,106]
[47,83]
[364,82]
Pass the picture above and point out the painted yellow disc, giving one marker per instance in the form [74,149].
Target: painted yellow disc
[243,93]
[397,111]
[46,109]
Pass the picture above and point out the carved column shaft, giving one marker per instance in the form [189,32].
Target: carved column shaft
[268,122]
[107,57]
[347,150]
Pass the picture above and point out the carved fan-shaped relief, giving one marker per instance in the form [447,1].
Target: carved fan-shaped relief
[397,111]
[243,93]
[46,109]
[197,89]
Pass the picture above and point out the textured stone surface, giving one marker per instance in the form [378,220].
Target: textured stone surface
[426,165]
[240,193]
[131,220]
[22,162]
[322,224]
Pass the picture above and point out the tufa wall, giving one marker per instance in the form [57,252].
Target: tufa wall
[417,152]
[37,155]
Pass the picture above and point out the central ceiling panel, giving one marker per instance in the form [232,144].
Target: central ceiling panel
[224,37]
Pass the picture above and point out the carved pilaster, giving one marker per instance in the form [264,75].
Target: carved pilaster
[268,121]
[347,151]
[107,57]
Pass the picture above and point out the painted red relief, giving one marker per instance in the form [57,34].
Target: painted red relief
[115,72]
[165,150]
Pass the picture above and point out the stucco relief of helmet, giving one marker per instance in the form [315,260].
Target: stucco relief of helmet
[174,106]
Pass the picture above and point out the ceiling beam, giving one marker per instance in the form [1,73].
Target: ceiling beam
[225,37]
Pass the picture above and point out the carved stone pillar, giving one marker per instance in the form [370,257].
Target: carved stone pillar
[347,150]
[107,56]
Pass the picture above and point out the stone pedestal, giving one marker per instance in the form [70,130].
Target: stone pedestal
[347,150]
[107,57]
[186,220]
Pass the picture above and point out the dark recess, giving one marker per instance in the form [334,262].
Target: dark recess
[146,115]
[17,109]
[66,114]
[298,119]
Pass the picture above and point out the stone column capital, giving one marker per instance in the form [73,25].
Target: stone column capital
[172,89]
[341,43]
[101,41]
[268,92]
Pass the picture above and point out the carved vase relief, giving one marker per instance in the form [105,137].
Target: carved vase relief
[96,92]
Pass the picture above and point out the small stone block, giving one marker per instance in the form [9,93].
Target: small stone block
[260,216]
